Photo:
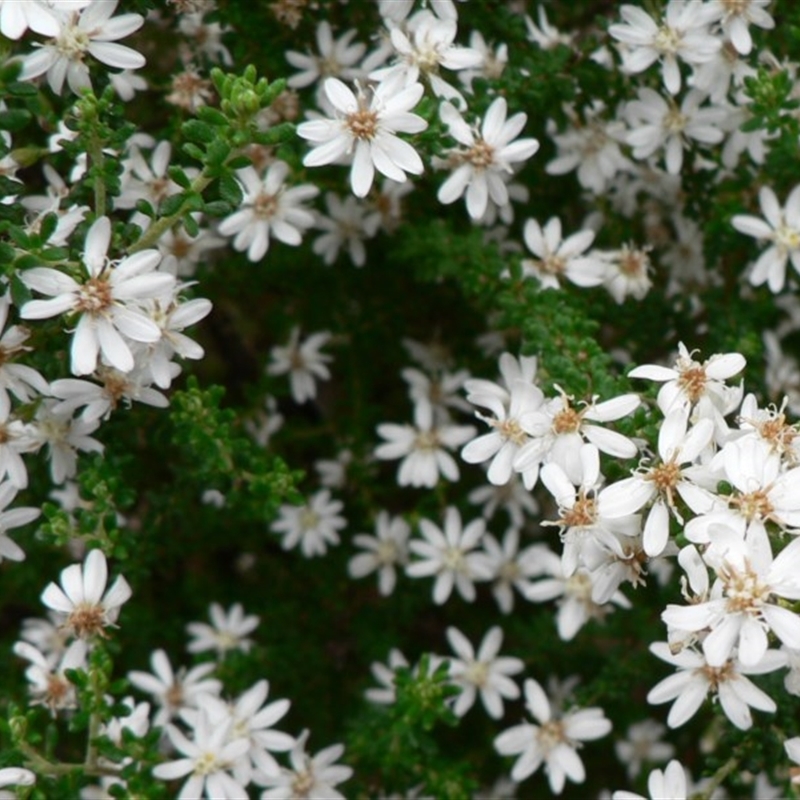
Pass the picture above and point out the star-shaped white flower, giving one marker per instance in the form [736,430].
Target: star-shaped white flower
[82,597]
[365,126]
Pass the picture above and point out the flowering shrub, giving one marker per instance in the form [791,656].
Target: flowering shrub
[399,399]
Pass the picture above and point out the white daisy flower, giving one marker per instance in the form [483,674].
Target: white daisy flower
[82,598]
[422,47]
[49,684]
[313,526]
[667,784]
[643,743]
[561,258]
[483,673]
[349,223]
[228,631]
[554,742]
[337,58]
[365,126]
[106,301]
[695,678]
[781,228]
[681,34]
[173,691]
[479,167]
[736,17]
[310,776]
[423,447]
[656,124]
[249,718]
[449,556]
[303,362]
[268,207]
[78,33]
[743,606]
[384,551]
[697,387]
[207,758]
[674,475]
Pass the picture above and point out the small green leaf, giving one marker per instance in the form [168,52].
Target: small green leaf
[20,293]
[193,151]
[12,119]
[212,116]
[179,176]
[218,208]
[143,207]
[217,152]
[190,224]
[230,190]
[239,162]
[196,131]
[171,205]
[55,254]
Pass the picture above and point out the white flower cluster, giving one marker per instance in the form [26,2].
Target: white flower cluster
[697,488]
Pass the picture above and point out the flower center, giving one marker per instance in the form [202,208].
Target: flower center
[94,296]
[787,237]
[206,764]
[510,430]
[308,519]
[225,640]
[568,420]
[753,505]
[674,121]
[477,673]
[667,40]
[453,559]
[778,433]
[302,785]
[509,572]
[633,263]
[480,155]
[550,735]
[583,513]
[718,675]
[363,124]
[58,690]
[665,476]
[579,586]
[745,591]
[115,386]
[735,8]
[427,59]
[387,552]
[553,264]
[51,429]
[427,441]
[87,620]
[265,205]
[174,695]
[72,42]
[181,247]
[693,382]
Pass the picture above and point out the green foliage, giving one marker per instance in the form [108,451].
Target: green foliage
[397,743]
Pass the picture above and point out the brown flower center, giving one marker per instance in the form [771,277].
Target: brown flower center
[87,620]
[693,382]
[363,124]
[583,513]
[95,296]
